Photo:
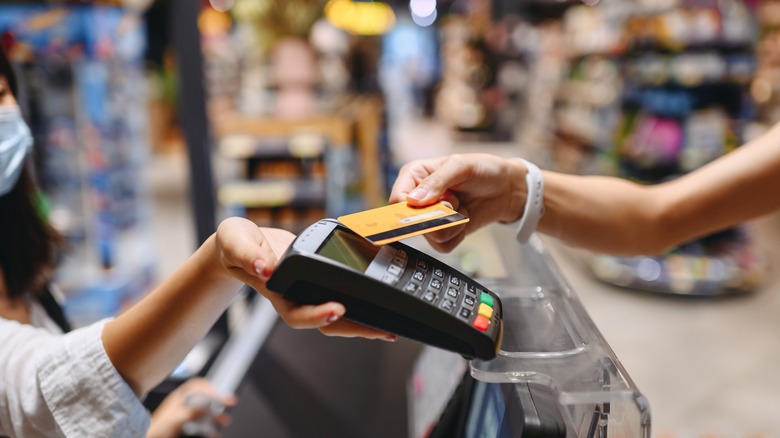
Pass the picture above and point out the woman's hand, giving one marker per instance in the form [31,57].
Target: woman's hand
[189,402]
[251,253]
[484,187]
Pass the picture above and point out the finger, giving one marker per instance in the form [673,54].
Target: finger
[326,317]
[412,174]
[351,329]
[229,400]
[199,386]
[450,200]
[309,316]
[278,240]
[453,171]
[244,247]
[274,244]
[223,420]
[449,233]
[261,256]
[446,235]
[196,406]
[448,245]
[409,177]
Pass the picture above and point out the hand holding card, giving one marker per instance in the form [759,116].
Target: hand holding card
[398,221]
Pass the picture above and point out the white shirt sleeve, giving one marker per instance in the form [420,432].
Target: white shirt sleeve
[63,385]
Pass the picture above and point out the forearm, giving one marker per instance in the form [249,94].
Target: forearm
[150,339]
[602,214]
[620,217]
[740,186]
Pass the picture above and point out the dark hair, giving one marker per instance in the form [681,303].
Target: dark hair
[27,241]
[7,71]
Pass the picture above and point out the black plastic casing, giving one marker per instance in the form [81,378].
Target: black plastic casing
[305,277]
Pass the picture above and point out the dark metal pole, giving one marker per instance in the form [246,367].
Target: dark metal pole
[192,113]
[194,124]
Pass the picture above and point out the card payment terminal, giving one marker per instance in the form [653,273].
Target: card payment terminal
[394,288]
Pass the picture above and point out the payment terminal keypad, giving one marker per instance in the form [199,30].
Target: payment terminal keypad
[392,287]
[434,285]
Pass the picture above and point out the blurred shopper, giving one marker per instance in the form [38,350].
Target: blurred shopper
[87,382]
[606,214]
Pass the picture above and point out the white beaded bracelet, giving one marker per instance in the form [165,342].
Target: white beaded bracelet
[534,203]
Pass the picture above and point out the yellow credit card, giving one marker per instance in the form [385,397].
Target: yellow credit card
[398,221]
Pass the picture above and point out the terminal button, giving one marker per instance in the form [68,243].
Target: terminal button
[481,323]
[452,292]
[486,298]
[485,310]
[394,270]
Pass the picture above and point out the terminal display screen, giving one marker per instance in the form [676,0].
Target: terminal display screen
[349,249]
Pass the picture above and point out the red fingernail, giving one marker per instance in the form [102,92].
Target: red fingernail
[260,269]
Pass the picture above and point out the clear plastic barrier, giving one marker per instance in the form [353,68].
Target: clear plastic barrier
[549,338]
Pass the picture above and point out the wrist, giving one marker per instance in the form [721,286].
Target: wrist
[214,264]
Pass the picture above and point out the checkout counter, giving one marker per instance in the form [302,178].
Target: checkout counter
[555,375]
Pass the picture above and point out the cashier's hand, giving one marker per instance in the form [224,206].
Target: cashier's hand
[250,254]
[484,187]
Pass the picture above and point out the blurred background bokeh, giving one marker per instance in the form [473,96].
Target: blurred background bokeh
[155,119]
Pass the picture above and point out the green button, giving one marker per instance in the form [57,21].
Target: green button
[486,298]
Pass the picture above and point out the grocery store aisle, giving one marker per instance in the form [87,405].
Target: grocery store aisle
[171,216]
[707,366]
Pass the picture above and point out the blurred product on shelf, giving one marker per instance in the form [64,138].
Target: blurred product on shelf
[301,132]
[644,90]
[294,73]
[765,87]
[719,264]
[685,102]
[485,77]
[83,87]
[285,180]
[587,105]
[325,165]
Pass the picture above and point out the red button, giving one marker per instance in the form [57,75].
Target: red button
[481,323]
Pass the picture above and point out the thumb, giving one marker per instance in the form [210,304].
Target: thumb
[431,189]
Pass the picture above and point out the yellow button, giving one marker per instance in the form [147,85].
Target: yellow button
[485,310]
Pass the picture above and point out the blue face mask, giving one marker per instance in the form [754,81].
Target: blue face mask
[15,143]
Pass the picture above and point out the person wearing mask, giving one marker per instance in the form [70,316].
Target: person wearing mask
[600,213]
[89,382]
